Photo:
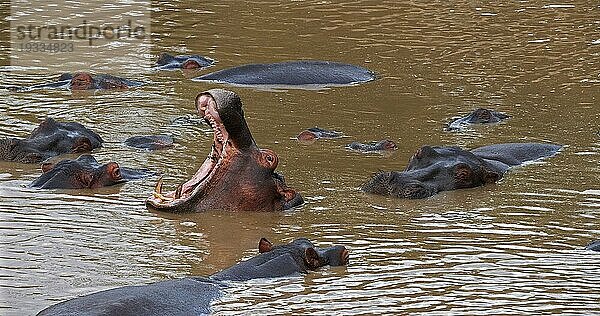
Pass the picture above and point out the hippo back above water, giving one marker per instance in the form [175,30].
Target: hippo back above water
[292,74]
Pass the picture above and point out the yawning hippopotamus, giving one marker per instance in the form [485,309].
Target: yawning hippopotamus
[49,139]
[292,74]
[478,116]
[169,62]
[193,295]
[435,169]
[85,173]
[86,81]
[236,175]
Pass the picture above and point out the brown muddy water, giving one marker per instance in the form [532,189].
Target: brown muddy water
[511,248]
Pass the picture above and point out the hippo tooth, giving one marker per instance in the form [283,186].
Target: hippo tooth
[178,191]
[158,187]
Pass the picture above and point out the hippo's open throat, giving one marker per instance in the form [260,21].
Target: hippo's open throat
[221,148]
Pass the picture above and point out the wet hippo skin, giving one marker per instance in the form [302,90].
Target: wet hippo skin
[50,139]
[193,295]
[169,62]
[435,169]
[237,175]
[86,81]
[594,245]
[85,173]
[150,142]
[380,146]
[478,116]
[309,135]
[292,73]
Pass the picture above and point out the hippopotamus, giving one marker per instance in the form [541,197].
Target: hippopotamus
[86,81]
[434,169]
[50,139]
[193,295]
[169,62]
[478,116]
[293,74]
[150,142]
[310,135]
[84,173]
[384,145]
[594,245]
[237,175]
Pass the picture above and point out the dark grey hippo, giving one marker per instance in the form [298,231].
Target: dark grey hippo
[193,295]
[384,145]
[478,116]
[50,139]
[150,142]
[292,74]
[85,81]
[169,62]
[435,169]
[594,245]
[85,172]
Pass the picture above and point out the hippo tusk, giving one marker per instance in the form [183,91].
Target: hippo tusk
[158,189]
[178,191]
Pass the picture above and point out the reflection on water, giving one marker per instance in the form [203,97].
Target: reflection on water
[510,248]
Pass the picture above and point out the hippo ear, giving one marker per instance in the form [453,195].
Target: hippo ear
[113,170]
[264,245]
[311,258]
[47,166]
[491,176]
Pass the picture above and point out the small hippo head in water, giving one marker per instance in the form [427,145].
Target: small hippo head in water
[435,169]
[299,256]
[478,116]
[84,173]
[236,175]
[49,139]
[169,62]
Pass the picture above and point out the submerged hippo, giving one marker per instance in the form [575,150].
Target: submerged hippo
[150,142]
[193,295]
[594,245]
[86,81]
[478,116]
[85,173]
[310,135]
[236,175]
[169,62]
[385,145]
[50,139]
[292,74]
[435,169]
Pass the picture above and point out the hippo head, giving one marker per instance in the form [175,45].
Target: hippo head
[311,257]
[82,81]
[299,256]
[387,145]
[432,170]
[168,61]
[236,175]
[83,173]
[49,139]
[484,116]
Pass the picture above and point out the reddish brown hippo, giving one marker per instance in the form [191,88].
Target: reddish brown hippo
[237,175]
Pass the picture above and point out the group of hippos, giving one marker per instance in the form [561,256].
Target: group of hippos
[237,175]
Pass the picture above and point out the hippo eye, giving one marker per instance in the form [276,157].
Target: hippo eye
[270,158]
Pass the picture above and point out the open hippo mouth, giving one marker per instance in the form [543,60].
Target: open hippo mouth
[236,175]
